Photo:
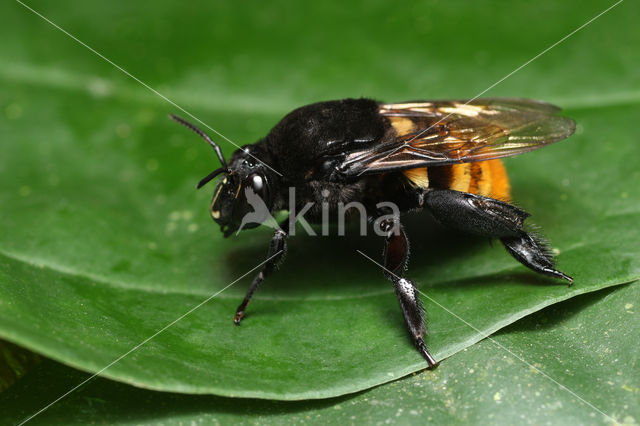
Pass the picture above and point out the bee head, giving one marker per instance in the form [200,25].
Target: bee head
[242,199]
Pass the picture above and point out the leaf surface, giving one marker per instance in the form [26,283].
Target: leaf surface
[104,241]
[571,363]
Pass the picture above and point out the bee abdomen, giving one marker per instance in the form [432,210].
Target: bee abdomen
[487,178]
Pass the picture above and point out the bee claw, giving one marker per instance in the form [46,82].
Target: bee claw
[561,275]
[422,348]
[568,278]
[238,317]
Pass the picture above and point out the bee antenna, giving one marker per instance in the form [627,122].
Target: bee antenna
[206,137]
[205,180]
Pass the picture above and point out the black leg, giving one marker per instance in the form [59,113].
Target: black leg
[532,252]
[277,245]
[396,253]
[495,219]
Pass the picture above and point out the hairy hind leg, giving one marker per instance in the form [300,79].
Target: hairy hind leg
[492,218]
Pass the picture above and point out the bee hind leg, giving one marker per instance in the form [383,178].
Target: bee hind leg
[396,254]
[492,218]
[533,253]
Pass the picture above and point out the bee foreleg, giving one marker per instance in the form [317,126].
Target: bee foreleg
[277,249]
[492,218]
[396,254]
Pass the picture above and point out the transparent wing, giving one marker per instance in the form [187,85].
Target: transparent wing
[425,133]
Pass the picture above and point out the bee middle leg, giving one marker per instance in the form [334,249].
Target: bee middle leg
[492,218]
[396,254]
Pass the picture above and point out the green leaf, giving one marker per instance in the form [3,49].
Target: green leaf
[539,370]
[104,241]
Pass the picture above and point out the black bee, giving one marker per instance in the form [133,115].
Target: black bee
[439,155]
